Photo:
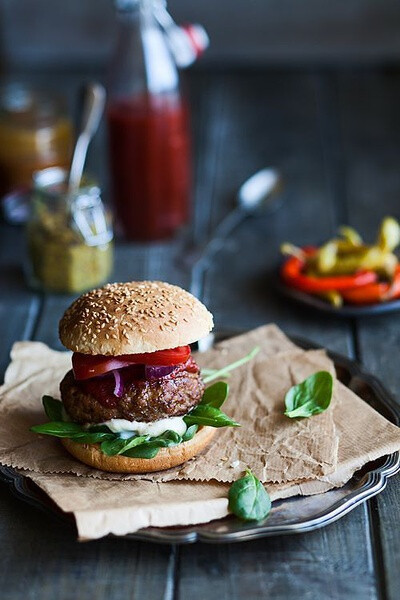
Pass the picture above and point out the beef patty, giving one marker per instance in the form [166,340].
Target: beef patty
[93,401]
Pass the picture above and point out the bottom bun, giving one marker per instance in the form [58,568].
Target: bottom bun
[91,455]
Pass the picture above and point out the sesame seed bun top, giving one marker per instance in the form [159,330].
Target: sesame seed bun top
[133,318]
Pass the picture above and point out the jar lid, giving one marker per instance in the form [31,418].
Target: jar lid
[27,106]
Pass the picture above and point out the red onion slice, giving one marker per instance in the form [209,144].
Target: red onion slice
[119,385]
[156,372]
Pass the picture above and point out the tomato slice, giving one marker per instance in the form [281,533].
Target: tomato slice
[86,366]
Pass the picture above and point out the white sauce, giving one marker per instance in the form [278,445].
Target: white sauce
[153,429]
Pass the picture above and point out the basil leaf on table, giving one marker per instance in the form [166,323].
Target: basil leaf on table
[52,408]
[238,363]
[310,397]
[216,394]
[248,499]
[205,414]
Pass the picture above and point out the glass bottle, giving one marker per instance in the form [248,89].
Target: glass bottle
[148,128]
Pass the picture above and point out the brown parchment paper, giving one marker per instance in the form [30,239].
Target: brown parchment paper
[353,431]
[277,448]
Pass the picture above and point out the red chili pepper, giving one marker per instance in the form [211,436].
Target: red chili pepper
[293,276]
[374,293]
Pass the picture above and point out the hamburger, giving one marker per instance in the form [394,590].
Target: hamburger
[134,400]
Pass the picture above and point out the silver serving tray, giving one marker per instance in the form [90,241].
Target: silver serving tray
[288,516]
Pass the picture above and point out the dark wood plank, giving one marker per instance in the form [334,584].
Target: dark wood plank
[270,118]
[276,118]
[42,559]
[21,309]
[243,122]
[321,565]
[19,306]
[370,130]
[105,567]
[55,564]
[266,33]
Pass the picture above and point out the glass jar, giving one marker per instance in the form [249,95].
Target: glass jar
[34,134]
[148,128]
[69,236]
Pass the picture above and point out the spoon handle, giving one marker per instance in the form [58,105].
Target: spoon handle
[203,252]
[95,96]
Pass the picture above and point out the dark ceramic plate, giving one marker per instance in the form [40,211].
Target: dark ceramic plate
[288,516]
[344,311]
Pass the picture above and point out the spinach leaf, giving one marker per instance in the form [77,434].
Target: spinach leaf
[124,446]
[91,437]
[205,414]
[74,431]
[248,499]
[171,438]
[216,394]
[59,429]
[52,408]
[119,445]
[99,429]
[146,450]
[190,433]
[310,397]
[238,363]
[150,447]
[113,443]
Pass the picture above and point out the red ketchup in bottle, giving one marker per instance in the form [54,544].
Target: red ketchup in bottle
[150,164]
[148,128]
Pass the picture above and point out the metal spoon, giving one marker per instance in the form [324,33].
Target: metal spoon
[87,218]
[95,96]
[258,193]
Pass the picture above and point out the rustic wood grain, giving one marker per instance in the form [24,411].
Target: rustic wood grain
[370,163]
[19,306]
[243,120]
[276,119]
[271,32]
[270,119]
[326,564]
[41,559]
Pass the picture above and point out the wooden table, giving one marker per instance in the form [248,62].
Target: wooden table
[335,136]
